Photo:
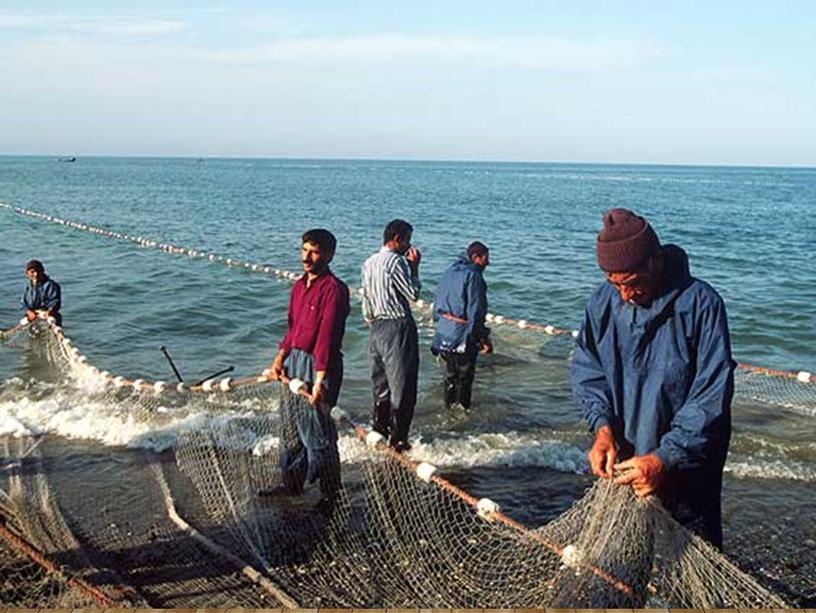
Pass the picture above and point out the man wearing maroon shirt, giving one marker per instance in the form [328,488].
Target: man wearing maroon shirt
[310,351]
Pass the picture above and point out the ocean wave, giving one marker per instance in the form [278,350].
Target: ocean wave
[510,449]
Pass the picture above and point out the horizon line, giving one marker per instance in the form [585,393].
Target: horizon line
[57,156]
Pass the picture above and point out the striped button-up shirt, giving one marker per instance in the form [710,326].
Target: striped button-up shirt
[388,286]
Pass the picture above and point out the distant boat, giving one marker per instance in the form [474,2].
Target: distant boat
[70,159]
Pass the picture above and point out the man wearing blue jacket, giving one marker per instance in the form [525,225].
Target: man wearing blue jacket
[460,308]
[654,374]
[42,294]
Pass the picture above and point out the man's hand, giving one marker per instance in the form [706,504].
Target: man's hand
[603,454]
[486,346]
[414,257]
[31,315]
[644,473]
[316,397]
[276,371]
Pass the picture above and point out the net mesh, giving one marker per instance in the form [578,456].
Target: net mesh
[201,524]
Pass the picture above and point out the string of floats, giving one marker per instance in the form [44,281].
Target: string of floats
[801,376]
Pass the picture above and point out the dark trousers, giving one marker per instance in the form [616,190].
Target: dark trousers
[693,499]
[460,369]
[394,372]
[308,434]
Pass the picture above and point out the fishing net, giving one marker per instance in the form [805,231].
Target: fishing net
[206,523]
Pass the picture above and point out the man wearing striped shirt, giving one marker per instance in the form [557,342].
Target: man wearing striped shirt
[390,284]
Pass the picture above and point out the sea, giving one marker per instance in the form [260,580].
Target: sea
[748,232]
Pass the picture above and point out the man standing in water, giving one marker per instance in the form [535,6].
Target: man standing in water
[390,283]
[310,351]
[42,294]
[460,308]
[654,375]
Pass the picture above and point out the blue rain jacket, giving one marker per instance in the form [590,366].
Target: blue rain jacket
[45,295]
[462,292]
[661,376]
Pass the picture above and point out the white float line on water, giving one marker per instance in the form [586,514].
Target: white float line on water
[420,305]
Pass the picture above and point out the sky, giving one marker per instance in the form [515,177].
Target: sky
[548,81]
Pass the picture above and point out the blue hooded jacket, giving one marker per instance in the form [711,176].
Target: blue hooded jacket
[45,295]
[660,376]
[462,292]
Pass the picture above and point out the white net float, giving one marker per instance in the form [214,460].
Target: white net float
[118,381]
[803,376]
[499,319]
[207,386]
[575,334]
[486,508]
[490,317]
[571,557]
[137,384]
[225,385]
[159,386]
[338,414]
[522,323]
[373,438]
[425,471]
[181,388]
[295,385]
[549,329]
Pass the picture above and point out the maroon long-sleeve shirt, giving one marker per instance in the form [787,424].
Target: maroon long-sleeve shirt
[317,318]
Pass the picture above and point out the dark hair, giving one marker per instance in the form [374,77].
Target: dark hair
[35,265]
[397,228]
[323,239]
[477,248]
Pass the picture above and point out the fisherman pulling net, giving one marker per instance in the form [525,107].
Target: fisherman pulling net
[187,527]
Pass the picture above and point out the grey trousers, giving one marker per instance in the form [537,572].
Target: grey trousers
[394,372]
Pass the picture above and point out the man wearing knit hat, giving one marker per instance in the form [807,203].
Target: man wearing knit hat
[654,375]
[42,294]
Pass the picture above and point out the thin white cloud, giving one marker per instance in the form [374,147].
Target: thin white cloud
[128,27]
[93,24]
[542,53]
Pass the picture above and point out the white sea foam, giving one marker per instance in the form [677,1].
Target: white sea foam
[516,449]
[46,409]
[771,469]
[65,415]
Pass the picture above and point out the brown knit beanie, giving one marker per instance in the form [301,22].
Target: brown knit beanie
[625,242]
